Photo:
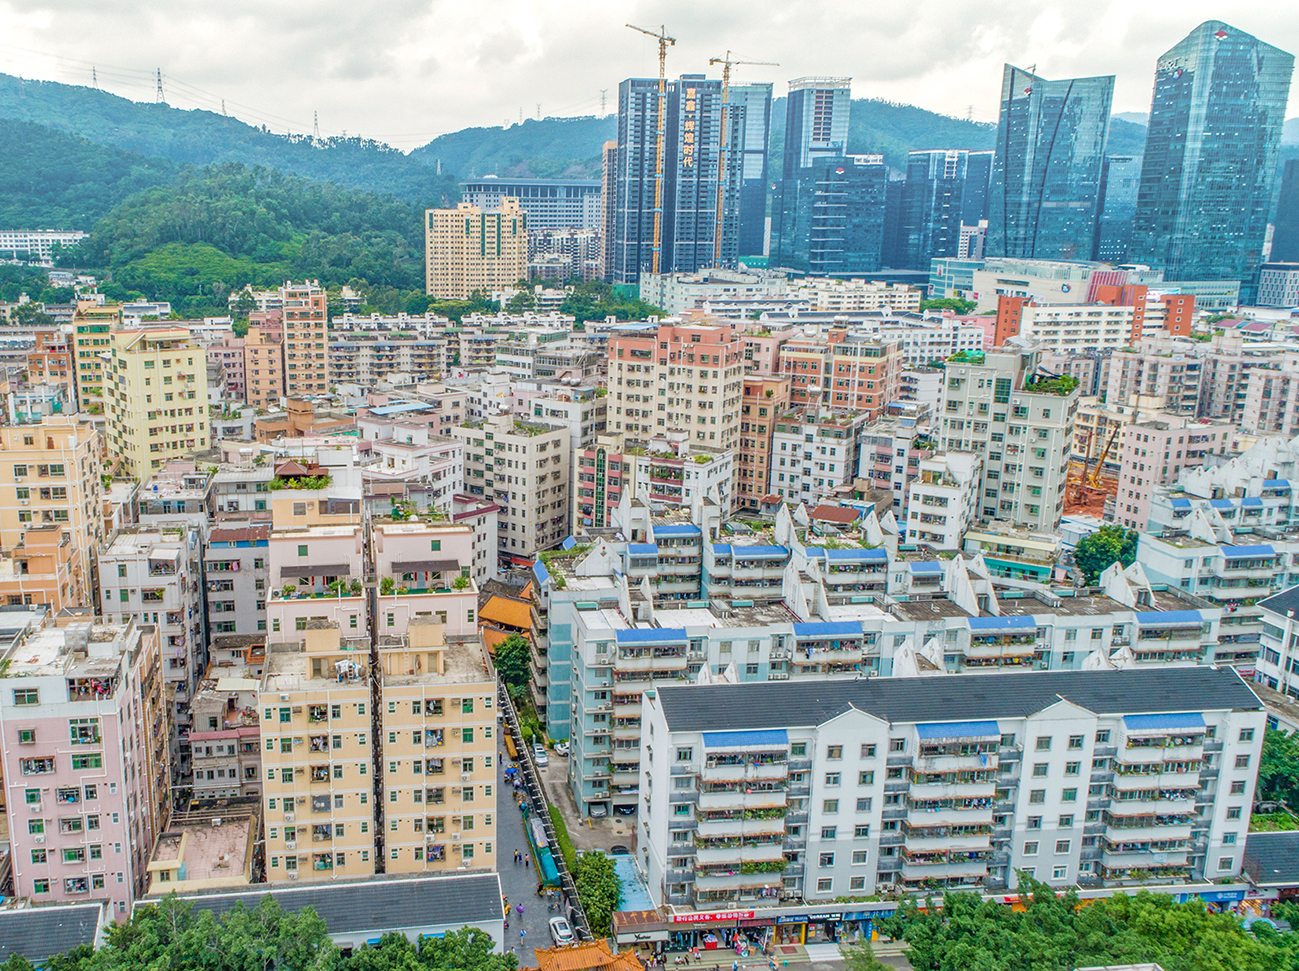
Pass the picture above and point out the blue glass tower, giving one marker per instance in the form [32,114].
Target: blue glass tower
[830,220]
[1120,178]
[1211,156]
[1046,173]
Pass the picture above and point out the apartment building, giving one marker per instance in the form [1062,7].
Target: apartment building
[263,368]
[83,742]
[1065,327]
[1271,399]
[763,399]
[1278,660]
[156,398]
[306,335]
[228,356]
[892,450]
[425,571]
[1021,424]
[943,502]
[844,371]
[815,452]
[469,248]
[669,473]
[236,572]
[367,357]
[750,789]
[1151,375]
[523,467]
[92,327]
[582,409]
[676,377]
[1154,453]
[51,481]
[225,742]
[50,361]
[438,750]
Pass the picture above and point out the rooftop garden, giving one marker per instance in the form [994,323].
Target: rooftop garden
[1064,385]
[299,482]
[967,357]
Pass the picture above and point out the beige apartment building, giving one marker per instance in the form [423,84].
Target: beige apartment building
[438,749]
[49,481]
[306,335]
[263,368]
[92,327]
[468,249]
[156,398]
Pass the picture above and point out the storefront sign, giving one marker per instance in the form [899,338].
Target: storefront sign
[758,922]
[823,916]
[641,937]
[792,919]
[711,918]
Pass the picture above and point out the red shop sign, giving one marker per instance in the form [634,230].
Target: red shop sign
[711,918]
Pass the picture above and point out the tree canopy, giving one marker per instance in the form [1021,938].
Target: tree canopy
[512,660]
[1097,551]
[596,300]
[954,304]
[598,888]
[1278,769]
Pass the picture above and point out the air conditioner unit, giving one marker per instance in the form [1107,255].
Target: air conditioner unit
[38,838]
[455,761]
[455,837]
[302,800]
[284,697]
[34,807]
[293,874]
[288,817]
[297,709]
[455,790]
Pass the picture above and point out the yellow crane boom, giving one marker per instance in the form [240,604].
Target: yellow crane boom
[727,64]
[661,35]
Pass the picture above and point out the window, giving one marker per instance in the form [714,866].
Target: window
[1242,761]
[862,832]
[1238,787]
[1072,768]
[1044,743]
[1030,849]
[856,883]
[1037,797]
[1069,795]
[1061,846]
[864,804]
[1060,873]
[1103,738]
[897,745]
[1040,770]
[830,806]
[832,778]
[1225,862]
[27,696]
[828,832]
[685,754]
[1075,741]
[826,860]
[1247,734]
[797,750]
[824,884]
[1065,822]
[1233,812]
[865,778]
[834,752]
[858,857]
[26,736]
[1228,839]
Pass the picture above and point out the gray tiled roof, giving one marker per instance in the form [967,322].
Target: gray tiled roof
[383,903]
[38,933]
[779,704]
[1283,601]
[1272,858]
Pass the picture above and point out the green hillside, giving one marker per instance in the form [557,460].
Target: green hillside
[204,137]
[49,179]
[547,149]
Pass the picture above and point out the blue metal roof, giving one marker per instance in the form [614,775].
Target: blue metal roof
[1002,623]
[757,738]
[651,635]
[1243,552]
[1168,618]
[1181,503]
[642,548]
[841,628]
[861,554]
[1222,504]
[748,552]
[541,573]
[721,549]
[986,729]
[568,544]
[687,530]
[929,566]
[1276,484]
[1251,501]
[1181,720]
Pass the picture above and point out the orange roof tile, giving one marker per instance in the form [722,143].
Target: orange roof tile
[595,956]
[508,611]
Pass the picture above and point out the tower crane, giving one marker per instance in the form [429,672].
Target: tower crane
[727,64]
[661,35]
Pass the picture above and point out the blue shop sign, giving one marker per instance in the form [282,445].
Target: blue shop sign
[792,919]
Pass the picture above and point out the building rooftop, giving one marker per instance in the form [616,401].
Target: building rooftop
[65,651]
[39,933]
[207,849]
[1272,859]
[465,661]
[152,540]
[1088,605]
[759,615]
[932,609]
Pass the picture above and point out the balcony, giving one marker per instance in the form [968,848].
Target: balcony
[734,851]
[739,798]
[744,771]
[951,815]
[660,662]
[770,827]
[978,761]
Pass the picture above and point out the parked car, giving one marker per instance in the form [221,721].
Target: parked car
[561,748]
[618,848]
[629,810]
[599,810]
[539,754]
[561,932]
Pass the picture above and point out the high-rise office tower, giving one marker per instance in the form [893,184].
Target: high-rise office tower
[978,183]
[1285,233]
[816,122]
[749,123]
[931,210]
[1047,171]
[1211,154]
[1120,176]
[829,221]
[692,128]
[608,195]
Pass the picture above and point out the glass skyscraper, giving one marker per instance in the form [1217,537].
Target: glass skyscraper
[1211,156]
[830,220]
[931,209]
[749,120]
[1046,173]
[1119,180]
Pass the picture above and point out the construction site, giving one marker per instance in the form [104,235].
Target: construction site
[1089,482]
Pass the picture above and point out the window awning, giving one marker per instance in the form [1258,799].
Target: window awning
[315,570]
[1168,722]
[949,730]
[773,738]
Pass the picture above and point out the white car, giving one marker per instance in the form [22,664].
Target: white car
[539,754]
[561,748]
[561,932]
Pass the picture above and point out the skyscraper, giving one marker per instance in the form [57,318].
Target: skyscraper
[978,180]
[1047,171]
[829,221]
[816,122]
[692,126]
[932,205]
[749,121]
[1285,235]
[1211,154]
[1120,177]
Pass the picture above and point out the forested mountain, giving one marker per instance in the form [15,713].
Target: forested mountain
[203,137]
[49,179]
[546,149]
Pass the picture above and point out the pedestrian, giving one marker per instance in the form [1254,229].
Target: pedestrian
[520,910]
[527,862]
[523,932]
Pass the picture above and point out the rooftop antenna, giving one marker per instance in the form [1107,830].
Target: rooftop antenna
[538,111]
[223,108]
[727,64]
[158,77]
[664,43]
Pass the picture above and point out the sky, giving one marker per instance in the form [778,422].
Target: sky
[405,71]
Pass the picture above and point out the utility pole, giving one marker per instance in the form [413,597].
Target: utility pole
[727,64]
[223,108]
[538,111]
[664,43]
[158,78]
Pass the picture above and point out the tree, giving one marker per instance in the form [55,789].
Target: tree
[512,659]
[1278,769]
[1109,544]
[860,957]
[954,304]
[598,888]
[31,315]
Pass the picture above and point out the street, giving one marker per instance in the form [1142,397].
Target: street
[518,882]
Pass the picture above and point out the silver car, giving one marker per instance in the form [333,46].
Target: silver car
[561,932]
[539,754]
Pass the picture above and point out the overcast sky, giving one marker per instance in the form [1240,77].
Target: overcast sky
[405,71]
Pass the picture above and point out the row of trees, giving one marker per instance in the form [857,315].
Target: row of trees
[175,937]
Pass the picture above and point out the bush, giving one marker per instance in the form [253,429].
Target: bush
[565,841]
[598,889]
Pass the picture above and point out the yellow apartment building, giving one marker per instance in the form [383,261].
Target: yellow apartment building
[263,369]
[317,756]
[306,334]
[438,749]
[468,249]
[155,398]
[49,480]
[92,327]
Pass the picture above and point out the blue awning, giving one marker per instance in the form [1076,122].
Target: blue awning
[1171,721]
[861,554]
[686,530]
[1251,501]
[940,730]
[1281,484]
[1221,504]
[568,543]
[767,738]
[1002,623]
[840,628]
[1244,552]
[721,549]
[1181,503]
[541,573]
[929,566]
[642,549]
[653,635]
[1168,618]
[758,552]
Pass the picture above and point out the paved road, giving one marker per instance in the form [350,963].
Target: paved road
[518,883]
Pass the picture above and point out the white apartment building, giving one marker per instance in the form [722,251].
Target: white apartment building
[1067,328]
[754,793]
[815,453]
[1153,453]
[943,502]
[524,468]
[38,244]
[1020,425]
